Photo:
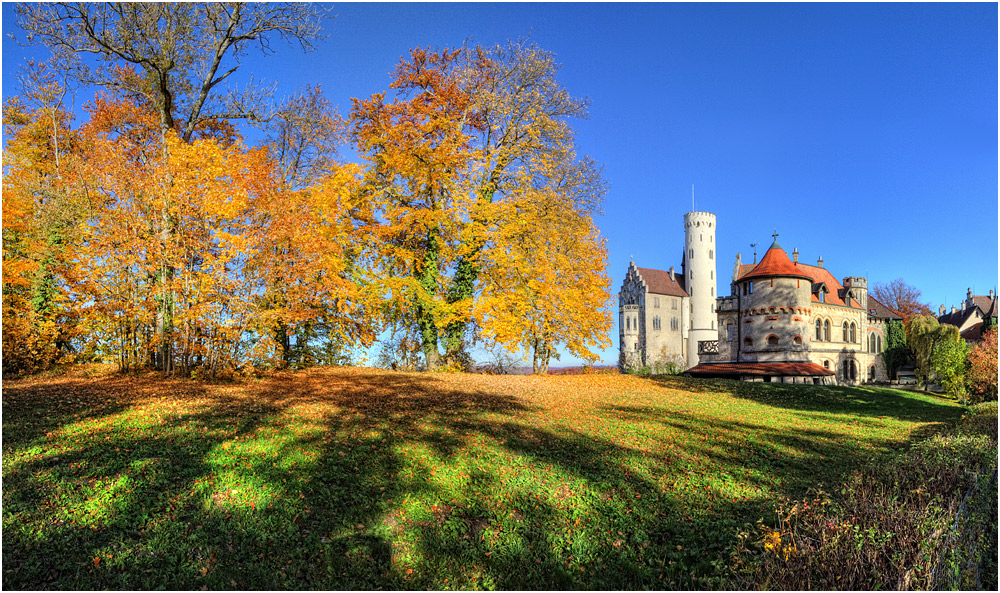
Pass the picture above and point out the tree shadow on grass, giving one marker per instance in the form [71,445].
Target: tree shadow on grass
[842,400]
[361,479]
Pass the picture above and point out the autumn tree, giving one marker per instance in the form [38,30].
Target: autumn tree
[982,375]
[41,211]
[321,256]
[524,134]
[418,157]
[902,297]
[469,132]
[545,283]
[174,57]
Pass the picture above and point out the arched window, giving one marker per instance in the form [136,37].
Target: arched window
[797,340]
[826,330]
[871,373]
[878,343]
[846,332]
[690,253]
[747,341]
[871,343]
[852,369]
[826,364]
[772,340]
[729,331]
[819,330]
[854,333]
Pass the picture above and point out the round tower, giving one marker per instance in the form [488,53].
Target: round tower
[700,281]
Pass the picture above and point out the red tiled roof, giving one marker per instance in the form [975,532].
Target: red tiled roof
[984,302]
[659,282]
[780,265]
[776,263]
[974,333]
[774,369]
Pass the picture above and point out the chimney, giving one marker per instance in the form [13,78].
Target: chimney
[672,274]
[941,310]
[819,263]
[795,255]
[991,294]
[954,309]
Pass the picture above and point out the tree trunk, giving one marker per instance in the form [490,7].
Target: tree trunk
[427,276]
[466,273]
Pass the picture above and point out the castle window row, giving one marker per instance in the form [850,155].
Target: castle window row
[850,331]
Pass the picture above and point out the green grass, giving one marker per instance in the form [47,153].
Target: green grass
[362,479]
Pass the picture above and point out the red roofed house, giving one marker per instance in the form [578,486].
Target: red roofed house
[969,319]
[662,315]
[795,323]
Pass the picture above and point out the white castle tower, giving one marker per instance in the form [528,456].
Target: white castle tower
[699,280]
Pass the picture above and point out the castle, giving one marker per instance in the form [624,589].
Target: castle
[662,315]
[784,320]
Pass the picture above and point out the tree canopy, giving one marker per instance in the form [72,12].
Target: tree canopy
[155,236]
[902,297]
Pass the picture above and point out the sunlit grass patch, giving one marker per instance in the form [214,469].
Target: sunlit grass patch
[362,479]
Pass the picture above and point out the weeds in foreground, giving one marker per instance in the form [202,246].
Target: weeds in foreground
[923,519]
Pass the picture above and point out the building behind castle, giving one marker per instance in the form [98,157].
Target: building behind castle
[783,321]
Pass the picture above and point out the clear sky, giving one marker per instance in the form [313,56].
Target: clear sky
[862,133]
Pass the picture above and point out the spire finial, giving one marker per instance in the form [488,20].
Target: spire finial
[775,235]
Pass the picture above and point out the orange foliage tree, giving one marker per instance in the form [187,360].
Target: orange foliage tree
[470,133]
[902,297]
[227,211]
[545,282]
[982,374]
[40,214]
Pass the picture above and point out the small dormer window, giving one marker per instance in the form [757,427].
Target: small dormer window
[872,312]
[822,296]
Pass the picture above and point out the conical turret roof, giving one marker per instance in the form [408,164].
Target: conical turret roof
[776,263]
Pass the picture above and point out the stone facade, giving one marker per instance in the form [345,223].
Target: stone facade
[663,315]
[783,312]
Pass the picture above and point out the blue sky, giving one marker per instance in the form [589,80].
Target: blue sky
[863,133]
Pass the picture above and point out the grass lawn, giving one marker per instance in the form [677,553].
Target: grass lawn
[361,478]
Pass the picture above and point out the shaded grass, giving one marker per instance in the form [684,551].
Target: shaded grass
[362,479]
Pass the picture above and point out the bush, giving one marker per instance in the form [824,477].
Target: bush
[915,521]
